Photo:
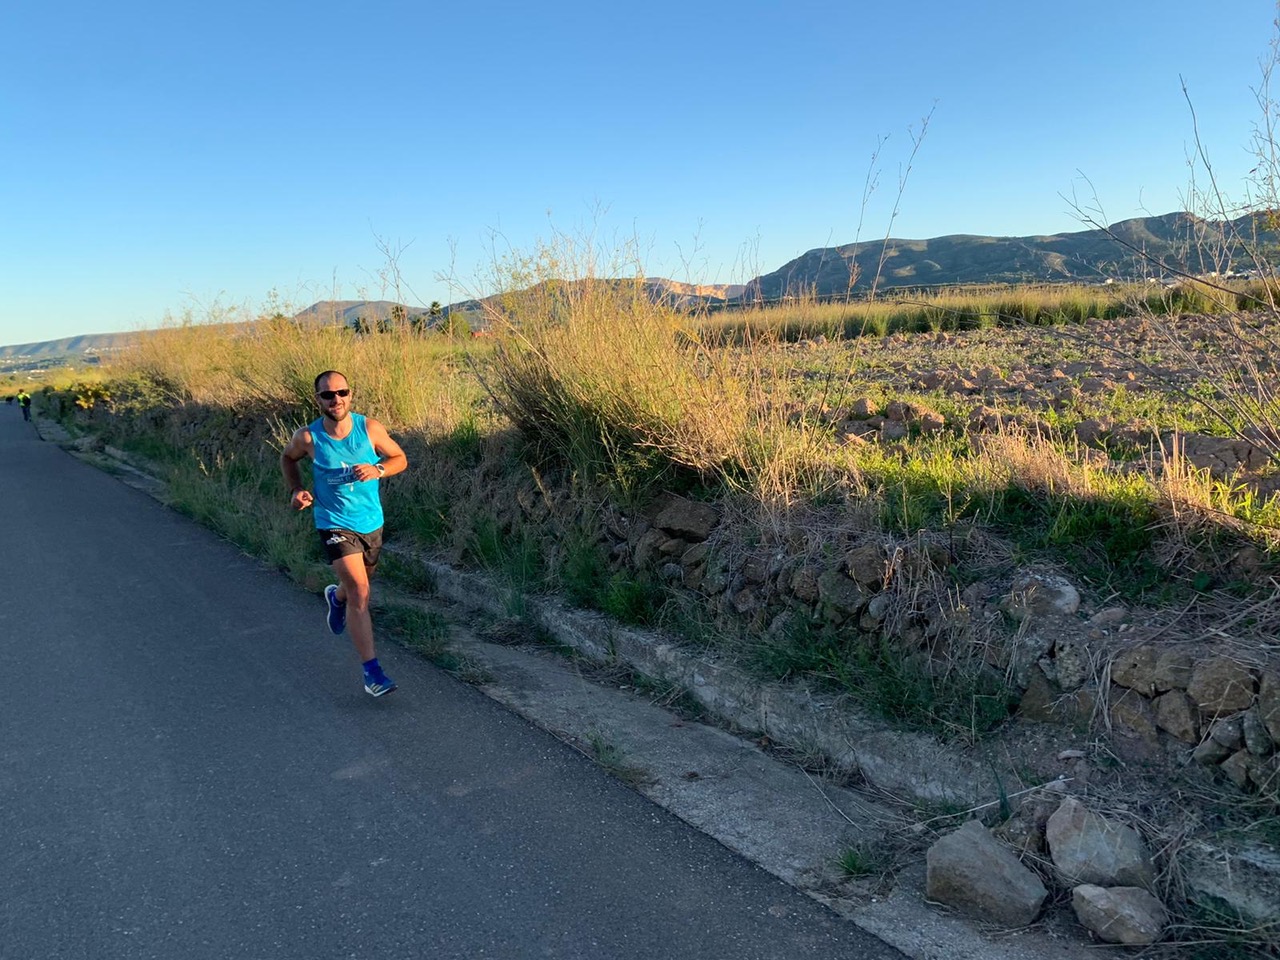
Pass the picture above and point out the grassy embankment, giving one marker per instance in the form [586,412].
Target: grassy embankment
[590,396]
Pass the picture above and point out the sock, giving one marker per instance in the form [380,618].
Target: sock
[372,669]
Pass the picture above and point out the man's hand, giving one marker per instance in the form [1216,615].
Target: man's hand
[301,499]
[365,471]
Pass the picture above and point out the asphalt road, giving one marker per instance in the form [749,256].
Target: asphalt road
[189,768]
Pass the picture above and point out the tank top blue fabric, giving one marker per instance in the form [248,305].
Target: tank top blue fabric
[341,501]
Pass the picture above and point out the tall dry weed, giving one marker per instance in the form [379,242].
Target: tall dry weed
[410,380]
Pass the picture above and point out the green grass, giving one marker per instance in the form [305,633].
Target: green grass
[632,598]
[584,578]
[614,760]
[861,860]
[515,555]
[957,701]
[427,634]
[406,574]
[583,573]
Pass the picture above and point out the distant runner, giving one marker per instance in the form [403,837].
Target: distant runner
[24,401]
[349,454]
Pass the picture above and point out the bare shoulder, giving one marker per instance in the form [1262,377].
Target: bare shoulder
[375,429]
[381,440]
[300,444]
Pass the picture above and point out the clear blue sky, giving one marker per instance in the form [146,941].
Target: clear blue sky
[160,156]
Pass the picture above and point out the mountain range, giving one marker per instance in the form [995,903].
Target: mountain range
[1140,247]
[1172,244]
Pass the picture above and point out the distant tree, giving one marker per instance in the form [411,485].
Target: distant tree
[454,326]
[429,320]
[397,320]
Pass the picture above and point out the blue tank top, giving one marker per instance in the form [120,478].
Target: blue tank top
[341,501]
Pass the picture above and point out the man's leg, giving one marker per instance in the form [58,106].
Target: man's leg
[353,590]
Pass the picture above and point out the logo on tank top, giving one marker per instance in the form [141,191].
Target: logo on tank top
[347,475]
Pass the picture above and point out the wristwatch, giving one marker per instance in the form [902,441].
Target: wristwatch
[381,468]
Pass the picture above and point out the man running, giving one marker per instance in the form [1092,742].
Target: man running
[349,454]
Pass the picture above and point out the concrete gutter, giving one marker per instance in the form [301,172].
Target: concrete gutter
[910,766]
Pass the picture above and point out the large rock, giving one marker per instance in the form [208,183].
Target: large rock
[1210,752]
[1132,718]
[1176,714]
[1229,731]
[1088,848]
[1038,595]
[804,582]
[1071,662]
[1028,651]
[688,519]
[1135,668]
[1236,768]
[1269,703]
[1038,699]
[974,873]
[866,565]
[841,597]
[1221,685]
[1173,670]
[1256,736]
[1245,878]
[1128,915]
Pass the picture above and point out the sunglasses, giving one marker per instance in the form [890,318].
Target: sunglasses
[330,394]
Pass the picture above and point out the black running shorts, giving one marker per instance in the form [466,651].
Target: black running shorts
[343,543]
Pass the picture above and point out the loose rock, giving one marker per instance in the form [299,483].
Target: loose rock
[1221,685]
[1229,732]
[1128,915]
[1176,714]
[1132,717]
[866,565]
[1173,671]
[688,519]
[1269,703]
[1071,663]
[1135,668]
[1236,767]
[1041,594]
[1088,848]
[974,873]
[840,596]
[1256,737]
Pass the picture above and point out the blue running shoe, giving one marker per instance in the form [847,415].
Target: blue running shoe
[378,686]
[337,610]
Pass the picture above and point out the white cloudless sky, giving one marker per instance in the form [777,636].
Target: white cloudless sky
[160,158]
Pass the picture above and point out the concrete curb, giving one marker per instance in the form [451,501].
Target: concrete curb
[902,764]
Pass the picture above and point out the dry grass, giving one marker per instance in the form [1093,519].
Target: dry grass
[632,395]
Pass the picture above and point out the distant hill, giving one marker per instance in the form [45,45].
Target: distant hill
[347,312]
[88,344]
[1149,246]
[1143,246]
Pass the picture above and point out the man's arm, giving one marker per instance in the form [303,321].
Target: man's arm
[390,457]
[299,446]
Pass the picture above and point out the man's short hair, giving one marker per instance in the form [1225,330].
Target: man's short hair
[329,373]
